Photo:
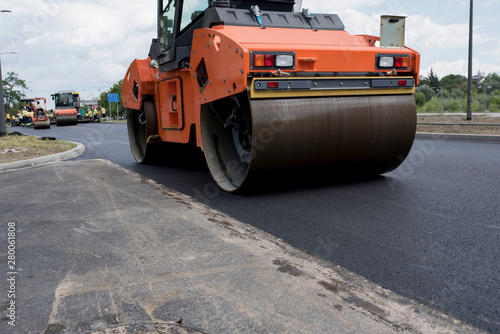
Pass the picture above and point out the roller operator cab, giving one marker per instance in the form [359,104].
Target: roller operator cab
[261,87]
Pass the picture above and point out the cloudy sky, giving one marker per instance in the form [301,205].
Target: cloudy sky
[87,45]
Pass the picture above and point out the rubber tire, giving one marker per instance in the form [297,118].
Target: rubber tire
[138,134]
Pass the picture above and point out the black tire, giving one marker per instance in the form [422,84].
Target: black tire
[141,124]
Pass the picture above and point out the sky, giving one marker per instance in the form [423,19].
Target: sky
[87,46]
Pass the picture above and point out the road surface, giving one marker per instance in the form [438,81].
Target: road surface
[429,230]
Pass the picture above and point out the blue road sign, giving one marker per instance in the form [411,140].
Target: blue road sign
[113,98]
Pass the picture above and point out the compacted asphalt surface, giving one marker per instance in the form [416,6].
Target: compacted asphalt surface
[430,230]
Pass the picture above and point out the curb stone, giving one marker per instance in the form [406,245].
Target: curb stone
[70,154]
[458,137]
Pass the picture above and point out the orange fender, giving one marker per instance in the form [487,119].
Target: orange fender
[224,60]
[139,81]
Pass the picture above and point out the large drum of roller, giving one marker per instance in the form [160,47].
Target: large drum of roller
[243,137]
[66,120]
[41,124]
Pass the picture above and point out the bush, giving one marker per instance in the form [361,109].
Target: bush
[420,99]
[453,93]
[427,91]
[495,102]
[433,105]
[454,104]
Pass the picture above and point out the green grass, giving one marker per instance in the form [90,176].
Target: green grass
[15,148]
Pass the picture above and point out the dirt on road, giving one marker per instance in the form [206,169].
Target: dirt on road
[480,125]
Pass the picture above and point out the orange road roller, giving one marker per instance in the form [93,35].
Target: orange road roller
[261,86]
[67,106]
[40,117]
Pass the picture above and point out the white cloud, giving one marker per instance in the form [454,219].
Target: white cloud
[460,66]
[436,36]
[321,6]
[68,44]
[496,52]
[443,68]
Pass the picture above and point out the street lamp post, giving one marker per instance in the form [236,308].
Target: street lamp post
[109,103]
[3,126]
[484,97]
[99,89]
[469,81]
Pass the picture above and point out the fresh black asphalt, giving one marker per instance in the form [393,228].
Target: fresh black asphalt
[428,230]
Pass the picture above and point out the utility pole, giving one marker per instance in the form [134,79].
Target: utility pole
[109,103]
[469,81]
[484,96]
[440,90]
[99,88]
[3,125]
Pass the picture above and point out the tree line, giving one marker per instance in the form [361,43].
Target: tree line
[450,93]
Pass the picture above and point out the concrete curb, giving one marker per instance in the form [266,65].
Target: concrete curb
[458,137]
[474,114]
[70,154]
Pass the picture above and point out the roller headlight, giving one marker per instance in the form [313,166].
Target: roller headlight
[392,61]
[284,60]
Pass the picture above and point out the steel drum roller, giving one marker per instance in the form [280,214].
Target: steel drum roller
[65,121]
[373,132]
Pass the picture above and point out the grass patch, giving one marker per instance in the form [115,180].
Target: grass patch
[15,148]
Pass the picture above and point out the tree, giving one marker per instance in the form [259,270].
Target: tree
[453,81]
[453,93]
[491,82]
[431,80]
[116,89]
[10,93]
[492,78]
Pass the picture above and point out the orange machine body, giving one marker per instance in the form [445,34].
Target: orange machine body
[226,53]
